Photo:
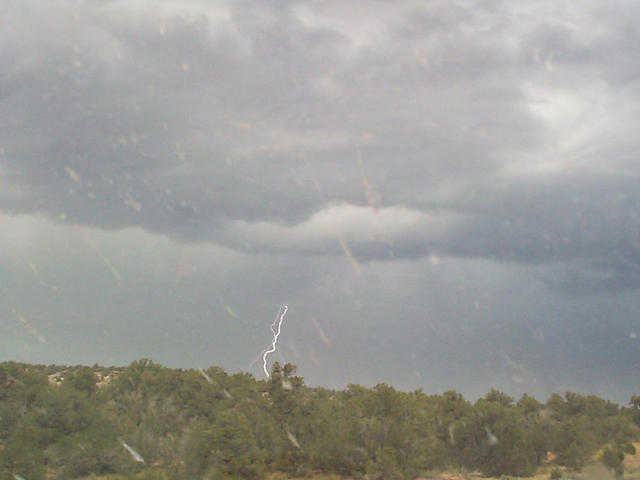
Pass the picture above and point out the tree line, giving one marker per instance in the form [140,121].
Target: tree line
[147,421]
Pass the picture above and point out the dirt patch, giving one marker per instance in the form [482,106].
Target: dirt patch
[632,462]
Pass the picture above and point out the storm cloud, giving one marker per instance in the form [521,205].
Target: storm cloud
[384,169]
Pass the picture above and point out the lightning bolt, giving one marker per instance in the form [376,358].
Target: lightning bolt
[277,320]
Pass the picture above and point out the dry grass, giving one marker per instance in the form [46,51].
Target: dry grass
[632,464]
[314,476]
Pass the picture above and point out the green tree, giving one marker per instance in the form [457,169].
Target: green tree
[573,442]
[557,407]
[81,379]
[226,446]
[613,459]
[634,402]
[22,453]
[495,440]
[499,397]
[529,405]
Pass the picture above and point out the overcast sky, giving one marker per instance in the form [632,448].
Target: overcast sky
[445,194]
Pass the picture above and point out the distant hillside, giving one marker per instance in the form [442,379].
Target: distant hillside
[146,421]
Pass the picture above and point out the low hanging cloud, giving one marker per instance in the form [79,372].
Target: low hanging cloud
[368,233]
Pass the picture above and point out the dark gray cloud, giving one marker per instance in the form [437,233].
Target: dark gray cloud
[318,145]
